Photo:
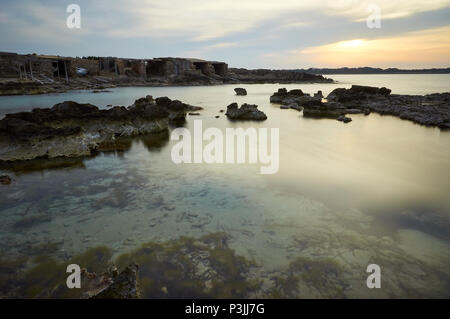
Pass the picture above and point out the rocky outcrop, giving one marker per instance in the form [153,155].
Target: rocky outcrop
[5,180]
[294,99]
[245,112]
[275,76]
[283,96]
[318,109]
[429,110]
[70,129]
[357,93]
[318,95]
[113,285]
[296,96]
[97,84]
[344,119]
[240,91]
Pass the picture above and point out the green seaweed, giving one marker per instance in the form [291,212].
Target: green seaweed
[321,275]
[45,277]
[187,267]
[97,259]
[9,270]
[191,268]
[41,280]
[45,248]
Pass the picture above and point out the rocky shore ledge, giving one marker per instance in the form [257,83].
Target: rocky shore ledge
[99,83]
[112,284]
[428,110]
[70,129]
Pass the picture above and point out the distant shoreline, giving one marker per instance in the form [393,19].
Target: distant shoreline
[369,70]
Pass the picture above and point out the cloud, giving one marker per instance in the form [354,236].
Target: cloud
[39,22]
[408,50]
[205,28]
[222,45]
[294,25]
[358,10]
[203,20]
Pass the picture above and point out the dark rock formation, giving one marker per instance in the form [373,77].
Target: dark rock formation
[240,91]
[317,109]
[356,93]
[5,180]
[283,95]
[295,106]
[318,95]
[274,76]
[101,91]
[70,129]
[429,110]
[344,119]
[245,112]
[294,99]
[120,286]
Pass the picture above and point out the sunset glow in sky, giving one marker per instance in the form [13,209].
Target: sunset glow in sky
[247,33]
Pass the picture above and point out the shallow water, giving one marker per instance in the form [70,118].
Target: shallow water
[346,196]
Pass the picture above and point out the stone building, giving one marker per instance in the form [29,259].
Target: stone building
[165,67]
[92,65]
[34,67]
[51,67]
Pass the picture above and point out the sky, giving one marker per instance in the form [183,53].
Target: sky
[277,34]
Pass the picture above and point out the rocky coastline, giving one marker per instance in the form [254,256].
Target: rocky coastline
[73,130]
[100,83]
[70,129]
[429,110]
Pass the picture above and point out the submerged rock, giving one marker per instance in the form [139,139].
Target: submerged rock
[71,129]
[5,180]
[245,112]
[198,268]
[120,285]
[240,91]
[31,220]
[344,119]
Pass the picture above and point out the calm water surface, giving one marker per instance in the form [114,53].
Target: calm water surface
[346,196]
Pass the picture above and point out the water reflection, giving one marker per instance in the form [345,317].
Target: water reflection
[152,142]
[374,191]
